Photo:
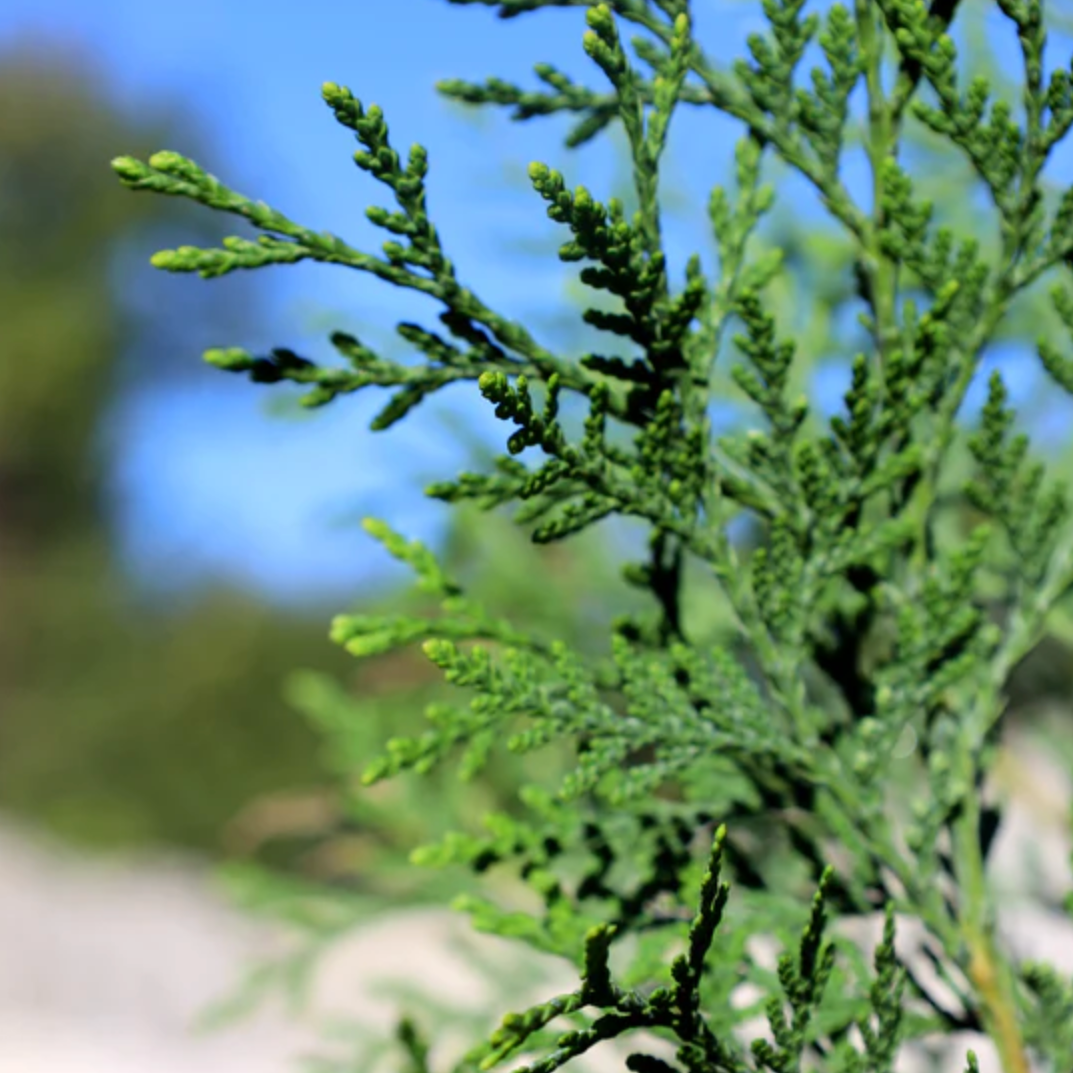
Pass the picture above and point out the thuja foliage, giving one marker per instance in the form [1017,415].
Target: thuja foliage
[639,858]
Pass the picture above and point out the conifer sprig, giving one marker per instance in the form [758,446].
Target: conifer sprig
[864,626]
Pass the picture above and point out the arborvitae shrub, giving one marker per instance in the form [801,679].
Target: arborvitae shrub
[645,838]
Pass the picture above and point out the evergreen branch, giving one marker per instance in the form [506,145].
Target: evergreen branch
[170,173]
[911,68]
[721,90]
[856,625]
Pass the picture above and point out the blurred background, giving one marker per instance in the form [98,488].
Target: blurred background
[174,541]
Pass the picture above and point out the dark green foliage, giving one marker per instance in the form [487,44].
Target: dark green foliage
[860,622]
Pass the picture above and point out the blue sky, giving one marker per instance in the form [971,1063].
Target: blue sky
[211,482]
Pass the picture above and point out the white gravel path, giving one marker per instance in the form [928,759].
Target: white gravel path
[104,968]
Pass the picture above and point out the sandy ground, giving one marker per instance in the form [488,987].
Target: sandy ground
[106,968]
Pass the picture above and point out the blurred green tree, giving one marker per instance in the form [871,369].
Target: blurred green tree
[120,722]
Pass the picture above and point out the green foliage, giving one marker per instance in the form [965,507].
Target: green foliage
[860,620]
[112,698]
